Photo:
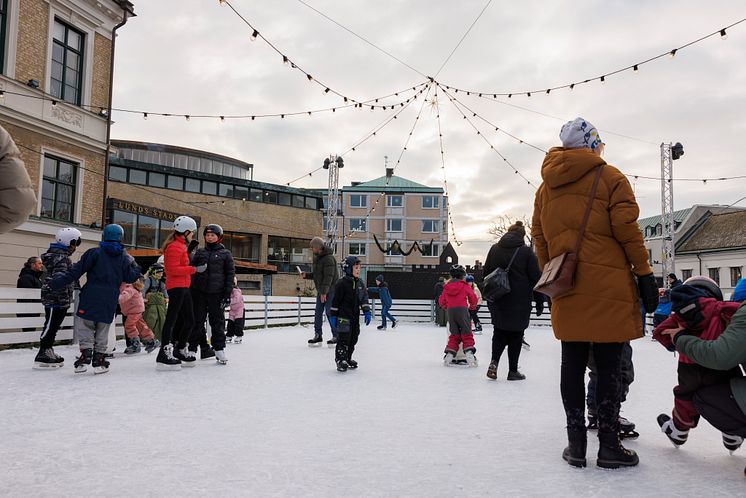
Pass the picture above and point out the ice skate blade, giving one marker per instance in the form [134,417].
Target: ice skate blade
[100,370]
[188,364]
[47,366]
[80,370]
[314,345]
[162,367]
[219,362]
[331,346]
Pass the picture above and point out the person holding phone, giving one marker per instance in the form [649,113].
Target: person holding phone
[324,275]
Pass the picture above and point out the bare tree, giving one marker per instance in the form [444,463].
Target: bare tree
[501,224]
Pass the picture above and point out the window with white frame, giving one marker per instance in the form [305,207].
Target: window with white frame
[358,201]
[430,202]
[714,274]
[358,225]
[67,63]
[356,249]
[686,274]
[394,200]
[430,226]
[58,189]
[430,250]
[736,272]
[394,225]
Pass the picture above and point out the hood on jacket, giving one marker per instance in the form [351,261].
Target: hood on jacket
[563,166]
[739,293]
[453,288]
[326,250]
[511,240]
[29,271]
[112,248]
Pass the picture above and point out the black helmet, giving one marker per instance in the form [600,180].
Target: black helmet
[213,228]
[457,271]
[706,284]
[348,263]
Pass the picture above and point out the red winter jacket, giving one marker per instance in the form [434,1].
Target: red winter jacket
[458,293]
[716,317]
[176,265]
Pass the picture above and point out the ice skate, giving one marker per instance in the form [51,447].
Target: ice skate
[166,359]
[351,364]
[332,343]
[220,357]
[152,345]
[448,359]
[477,327]
[492,370]
[187,358]
[674,434]
[526,346]
[516,375]
[381,327]
[228,339]
[342,365]
[732,442]
[471,360]
[394,323]
[81,364]
[100,365]
[237,340]
[315,341]
[206,353]
[46,360]
[627,429]
[133,347]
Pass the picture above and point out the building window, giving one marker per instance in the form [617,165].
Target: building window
[156,179]
[650,256]
[286,253]
[393,225]
[138,177]
[127,221]
[311,203]
[298,201]
[270,197]
[284,199]
[58,189]
[358,201]
[430,202]
[357,225]
[67,63]
[192,185]
[117,174]
[659,229]
[225,190]
[686,274]
[430,250]
[147,231]
[256,195]
[175,182]
[735,275]
[209,188]
[394,200]
[357,249]
[140,230]
[394,250]
[715,274]
[244,246]
[249,285]
[430,226]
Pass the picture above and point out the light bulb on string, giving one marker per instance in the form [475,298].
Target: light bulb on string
[635,69]
[221,2]
[310,78]
[145,116]
[254,35]
[603,79]
[285,59]
[222,119]
[723,34]
[672,53]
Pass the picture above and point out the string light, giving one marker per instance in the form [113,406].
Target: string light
[254,35]
[672,53]
[723,34]
[635,69]
[285,59]
[443,168]
[145,116]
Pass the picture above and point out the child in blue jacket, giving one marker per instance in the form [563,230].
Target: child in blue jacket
[382,290]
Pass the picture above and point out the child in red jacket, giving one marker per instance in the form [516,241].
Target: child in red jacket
[132,305]
[697,309]
[458,298]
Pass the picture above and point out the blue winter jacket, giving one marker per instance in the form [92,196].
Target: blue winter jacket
[57,262]
[383,294]
[739,293]
[105,267]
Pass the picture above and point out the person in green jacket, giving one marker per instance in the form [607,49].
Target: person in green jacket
[722,405]
[324,275]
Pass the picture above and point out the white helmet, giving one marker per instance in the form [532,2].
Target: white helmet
[160,261]
[68,236]
[185,224]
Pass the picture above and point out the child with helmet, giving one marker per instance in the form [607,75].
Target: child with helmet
[475,312]
[132,304]
[56,302]
[156,297]
[105,267]
[350,297]
[174,352]
[458,298]
[697,309]
[211,294]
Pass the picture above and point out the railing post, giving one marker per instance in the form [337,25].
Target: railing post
[373,308]
[266,311]
[300,302]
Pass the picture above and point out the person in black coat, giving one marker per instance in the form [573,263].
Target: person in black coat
[211,293]
[30,276]
[511,313]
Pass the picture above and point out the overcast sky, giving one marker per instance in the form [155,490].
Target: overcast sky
[194,56]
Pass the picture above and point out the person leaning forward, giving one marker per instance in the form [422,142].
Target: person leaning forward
[324,275]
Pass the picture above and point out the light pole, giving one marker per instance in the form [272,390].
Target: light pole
[333,164]
[669,153]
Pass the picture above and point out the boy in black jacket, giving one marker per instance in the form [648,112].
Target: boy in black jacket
[350,296]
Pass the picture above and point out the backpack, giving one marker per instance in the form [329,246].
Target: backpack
[497,283]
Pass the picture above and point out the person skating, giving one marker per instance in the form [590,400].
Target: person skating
[211,293]
[458,298]
[626,428]
[382,290]
[236,316]
[350,297]
[106,267]
[56,303]
[324,275]
[156,299]
[475,312]
[441,317]
[174,353]
[132,305]
[698,307]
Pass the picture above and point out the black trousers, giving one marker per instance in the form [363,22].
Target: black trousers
[208,305]
[179,307]
[475,315]
[346,340]
[53,318]
[510,339]
[717,405]
[607,357]
[235,327]
[628,377]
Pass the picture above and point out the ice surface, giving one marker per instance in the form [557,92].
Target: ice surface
[279,420]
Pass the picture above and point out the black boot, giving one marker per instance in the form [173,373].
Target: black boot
[315,341]
[611,453]
[574,454]
[81,364]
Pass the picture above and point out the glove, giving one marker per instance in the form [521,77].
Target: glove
[368,318]
[201,268]
[225,303]
[333,321]
[648,292]
[192,246]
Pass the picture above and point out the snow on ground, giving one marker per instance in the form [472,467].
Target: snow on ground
[279,420]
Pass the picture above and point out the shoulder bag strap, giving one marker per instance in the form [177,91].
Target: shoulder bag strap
[588,209]
[512,259]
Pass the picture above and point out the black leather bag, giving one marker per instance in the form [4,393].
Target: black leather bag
[497,283]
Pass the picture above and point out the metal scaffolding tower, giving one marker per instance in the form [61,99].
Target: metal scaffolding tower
[333,203]
[669,153]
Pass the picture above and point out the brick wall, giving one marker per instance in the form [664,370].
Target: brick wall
[33,26]
[101,71]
